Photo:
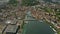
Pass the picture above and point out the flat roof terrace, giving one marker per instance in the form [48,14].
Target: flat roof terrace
[11,29]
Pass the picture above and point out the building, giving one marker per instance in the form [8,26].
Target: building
[13,22]
[3,3]
[11,29]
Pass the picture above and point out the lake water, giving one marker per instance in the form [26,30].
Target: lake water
[36,27]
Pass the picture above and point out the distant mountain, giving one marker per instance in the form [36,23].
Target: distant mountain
[47,0]
[53,1]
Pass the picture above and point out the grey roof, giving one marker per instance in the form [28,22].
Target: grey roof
[11,28]
[3,2]
[10,21]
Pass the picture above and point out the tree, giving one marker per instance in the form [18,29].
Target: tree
[13,2]
[29,2]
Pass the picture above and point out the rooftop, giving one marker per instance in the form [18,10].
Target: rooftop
[11,28]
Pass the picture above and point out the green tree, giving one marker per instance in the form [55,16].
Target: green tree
[13,2]
[29,2]
[49,10]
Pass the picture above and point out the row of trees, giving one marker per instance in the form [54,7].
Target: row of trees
[13,2]
[29,2]
[24,2]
